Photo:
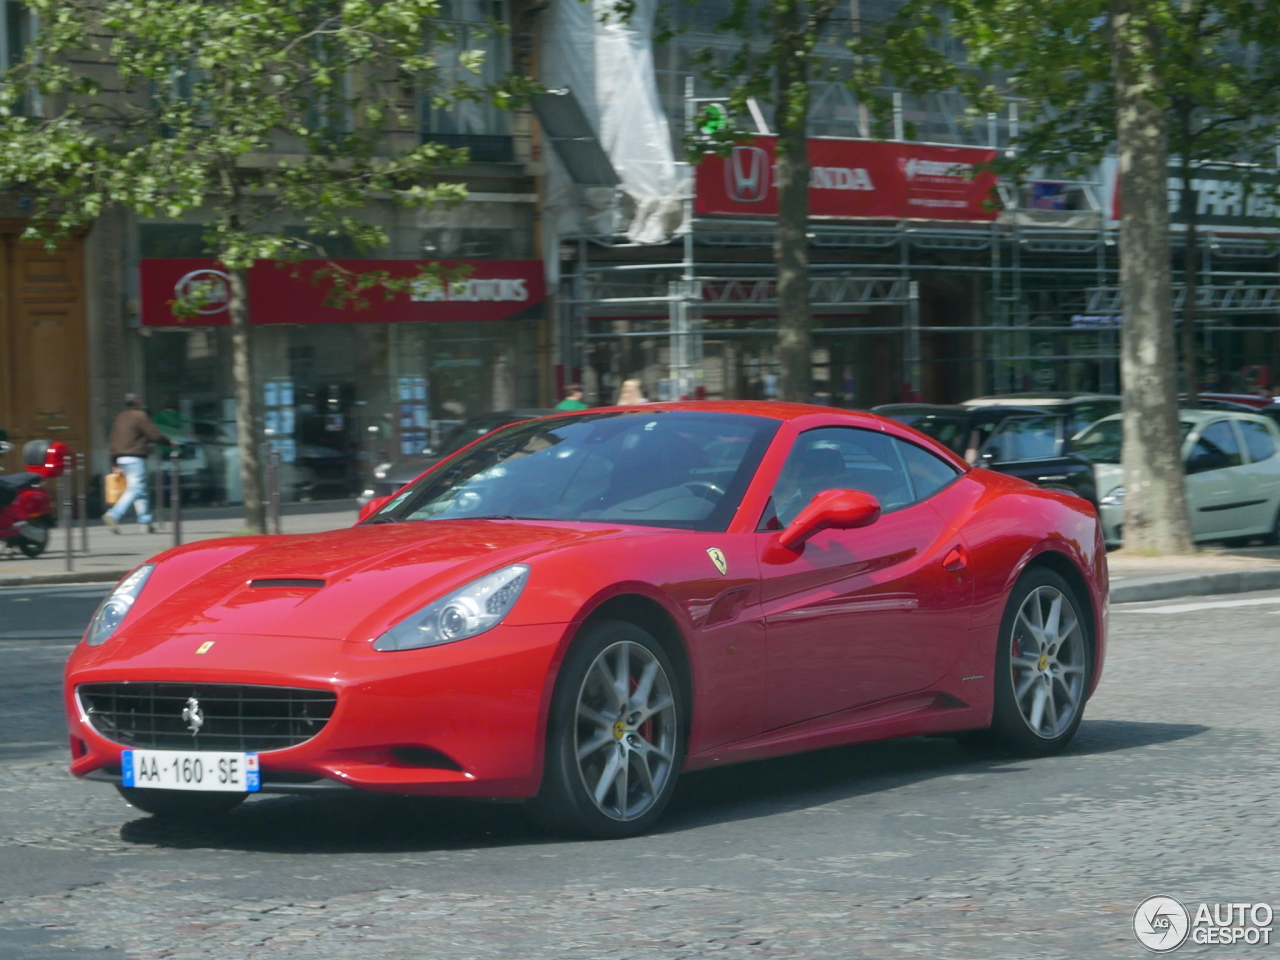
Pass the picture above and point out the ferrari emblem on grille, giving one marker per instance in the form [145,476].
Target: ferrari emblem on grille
[717,557]
[193,715]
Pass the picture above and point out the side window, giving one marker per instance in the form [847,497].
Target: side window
[1215,450]
[1258,440]
[839,458]
[1024,438]
[928,473]
[1089,413]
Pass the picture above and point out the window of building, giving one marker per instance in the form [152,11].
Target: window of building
[471,122]
[17,31]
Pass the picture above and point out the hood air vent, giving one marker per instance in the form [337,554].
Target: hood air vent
[288,582]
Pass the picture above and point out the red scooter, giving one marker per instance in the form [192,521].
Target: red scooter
[26,511]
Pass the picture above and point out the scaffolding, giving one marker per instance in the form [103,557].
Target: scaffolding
[902,310]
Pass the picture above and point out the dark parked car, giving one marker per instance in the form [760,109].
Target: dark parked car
[1024,435]
[390,477]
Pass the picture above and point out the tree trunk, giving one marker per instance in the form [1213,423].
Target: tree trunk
[1190,203]
[1155,512]
[791,241]
[255,516]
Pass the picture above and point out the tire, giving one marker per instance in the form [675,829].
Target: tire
[185,805]
[611,765]
[1272,539]
[1042,671]
[30,548]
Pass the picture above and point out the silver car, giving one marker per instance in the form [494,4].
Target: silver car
[1232,474]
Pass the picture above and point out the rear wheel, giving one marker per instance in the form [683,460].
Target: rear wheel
[1043,666]
[1272,539]
[183,805]
[615,737]
[31,548]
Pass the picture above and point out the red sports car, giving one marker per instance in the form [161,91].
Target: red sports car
[575,609]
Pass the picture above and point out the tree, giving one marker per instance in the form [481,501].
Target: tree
[1133,75]
[256,116]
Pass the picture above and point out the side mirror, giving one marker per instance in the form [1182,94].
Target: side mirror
[828,510]
[372,507]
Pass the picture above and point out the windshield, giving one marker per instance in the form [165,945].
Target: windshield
[665,468]
[1100,443]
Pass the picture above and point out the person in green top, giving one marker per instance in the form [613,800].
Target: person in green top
[572,398]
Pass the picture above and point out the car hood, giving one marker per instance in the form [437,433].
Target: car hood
[363,579]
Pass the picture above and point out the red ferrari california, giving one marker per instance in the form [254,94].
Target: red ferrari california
[574,610]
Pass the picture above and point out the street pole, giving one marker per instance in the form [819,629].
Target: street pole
[82,501]
[175,495]
[64,509]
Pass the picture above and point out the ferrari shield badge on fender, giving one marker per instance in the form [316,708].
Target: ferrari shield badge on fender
[205,647]
[717,557]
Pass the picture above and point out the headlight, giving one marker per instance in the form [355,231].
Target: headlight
[380,471]
[477,607]
[1115,498]
[116,607]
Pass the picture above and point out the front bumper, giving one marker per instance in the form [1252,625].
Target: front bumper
[475,710]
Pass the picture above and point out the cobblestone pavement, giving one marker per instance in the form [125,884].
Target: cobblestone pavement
[915,848]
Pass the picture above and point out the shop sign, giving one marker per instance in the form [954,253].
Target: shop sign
[853,178]
[295,293]
[1226,196]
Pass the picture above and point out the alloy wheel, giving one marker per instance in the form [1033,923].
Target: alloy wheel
[1048,658]
[626,730]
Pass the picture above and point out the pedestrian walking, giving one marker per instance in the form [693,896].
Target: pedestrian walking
[572,398]
[132,435]
[631,394]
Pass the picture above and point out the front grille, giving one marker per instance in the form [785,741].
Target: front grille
[231,716]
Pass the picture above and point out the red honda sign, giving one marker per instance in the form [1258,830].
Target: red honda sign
[293,293]
[853,178]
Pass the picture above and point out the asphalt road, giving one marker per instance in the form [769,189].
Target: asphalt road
[914,848]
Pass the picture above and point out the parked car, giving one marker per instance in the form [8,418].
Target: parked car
[390,477]
[1079,409]
[1232,474]
[1029,442]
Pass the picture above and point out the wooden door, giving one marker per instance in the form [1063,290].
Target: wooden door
[44,380]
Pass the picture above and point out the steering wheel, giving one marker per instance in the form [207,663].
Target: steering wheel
[704,489]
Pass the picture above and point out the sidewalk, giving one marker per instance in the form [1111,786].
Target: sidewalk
[111,556]
[1211,571]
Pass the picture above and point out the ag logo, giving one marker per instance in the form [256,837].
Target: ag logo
[210,289]
[1161,924]
[717,557]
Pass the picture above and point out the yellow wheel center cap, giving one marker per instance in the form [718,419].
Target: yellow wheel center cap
[619,730]
[1044,662]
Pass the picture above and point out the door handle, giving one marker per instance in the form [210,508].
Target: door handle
[957,559]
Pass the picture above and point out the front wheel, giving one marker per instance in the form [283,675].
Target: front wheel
[186,805]
[615,737]
[1043,665]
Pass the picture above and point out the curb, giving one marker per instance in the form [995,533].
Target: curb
[1196,585]
[44,579]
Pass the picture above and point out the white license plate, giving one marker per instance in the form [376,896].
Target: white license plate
[190,770]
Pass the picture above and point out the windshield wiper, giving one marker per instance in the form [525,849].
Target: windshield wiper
[369,523]
[491,516]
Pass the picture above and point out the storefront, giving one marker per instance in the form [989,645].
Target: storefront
[341,388]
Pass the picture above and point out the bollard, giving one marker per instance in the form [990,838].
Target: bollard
[175,496]
[82,502]
[64,508]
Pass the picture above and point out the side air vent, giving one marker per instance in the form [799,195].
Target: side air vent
[288,582]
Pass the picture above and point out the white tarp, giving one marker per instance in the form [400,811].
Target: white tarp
[608,64]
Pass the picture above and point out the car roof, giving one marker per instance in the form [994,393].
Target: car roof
[1046,399]
[1196,417]
[938,409]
